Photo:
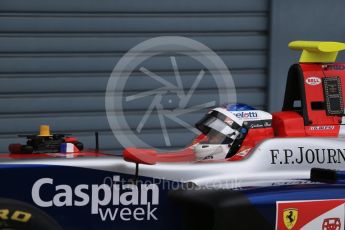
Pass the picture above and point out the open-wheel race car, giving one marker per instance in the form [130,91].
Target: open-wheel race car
[248,169]
[47,142]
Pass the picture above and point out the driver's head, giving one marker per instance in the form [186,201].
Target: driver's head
[221,128]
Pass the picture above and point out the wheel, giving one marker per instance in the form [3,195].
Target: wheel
[19,215]
[15,148]
[27,149]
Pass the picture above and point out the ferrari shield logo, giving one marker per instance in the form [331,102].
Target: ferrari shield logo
[290,216]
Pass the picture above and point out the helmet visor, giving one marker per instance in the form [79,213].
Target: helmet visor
[218,128]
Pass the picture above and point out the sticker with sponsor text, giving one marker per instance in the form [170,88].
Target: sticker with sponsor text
[302,214]
[313,81]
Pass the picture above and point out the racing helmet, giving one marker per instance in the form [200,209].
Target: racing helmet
[222,128]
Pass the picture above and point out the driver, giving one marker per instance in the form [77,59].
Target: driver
[224,132]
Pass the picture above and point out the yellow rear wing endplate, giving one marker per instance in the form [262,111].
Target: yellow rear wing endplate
[317,51]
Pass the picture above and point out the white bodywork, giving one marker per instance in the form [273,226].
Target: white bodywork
[276,159]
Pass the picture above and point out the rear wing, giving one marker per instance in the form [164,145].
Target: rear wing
[317,51]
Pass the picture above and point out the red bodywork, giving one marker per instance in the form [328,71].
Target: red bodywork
[316,122]
[70,139]
[151,157]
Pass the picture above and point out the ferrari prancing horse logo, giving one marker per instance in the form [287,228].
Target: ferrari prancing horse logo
[290,216]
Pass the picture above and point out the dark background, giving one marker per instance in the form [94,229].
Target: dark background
[56,56]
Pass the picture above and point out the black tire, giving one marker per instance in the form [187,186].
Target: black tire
[27,149]
[15,148]
[19,215]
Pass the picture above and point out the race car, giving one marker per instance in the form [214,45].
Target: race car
[248,169]
[313,107]
[46,142]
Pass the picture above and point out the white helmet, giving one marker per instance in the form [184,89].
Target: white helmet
[222,128]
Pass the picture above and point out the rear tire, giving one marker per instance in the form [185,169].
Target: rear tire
[19,215]
[27,149]
[15,148]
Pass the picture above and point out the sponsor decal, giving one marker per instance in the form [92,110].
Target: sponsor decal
[322,128]
[16,215]
[259,124]
[335,67]
[110,202]
[309,156]
[331,224]
[290,216]
[302,214]
[256,125]
[313,81]
[246,114]
[293,182]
